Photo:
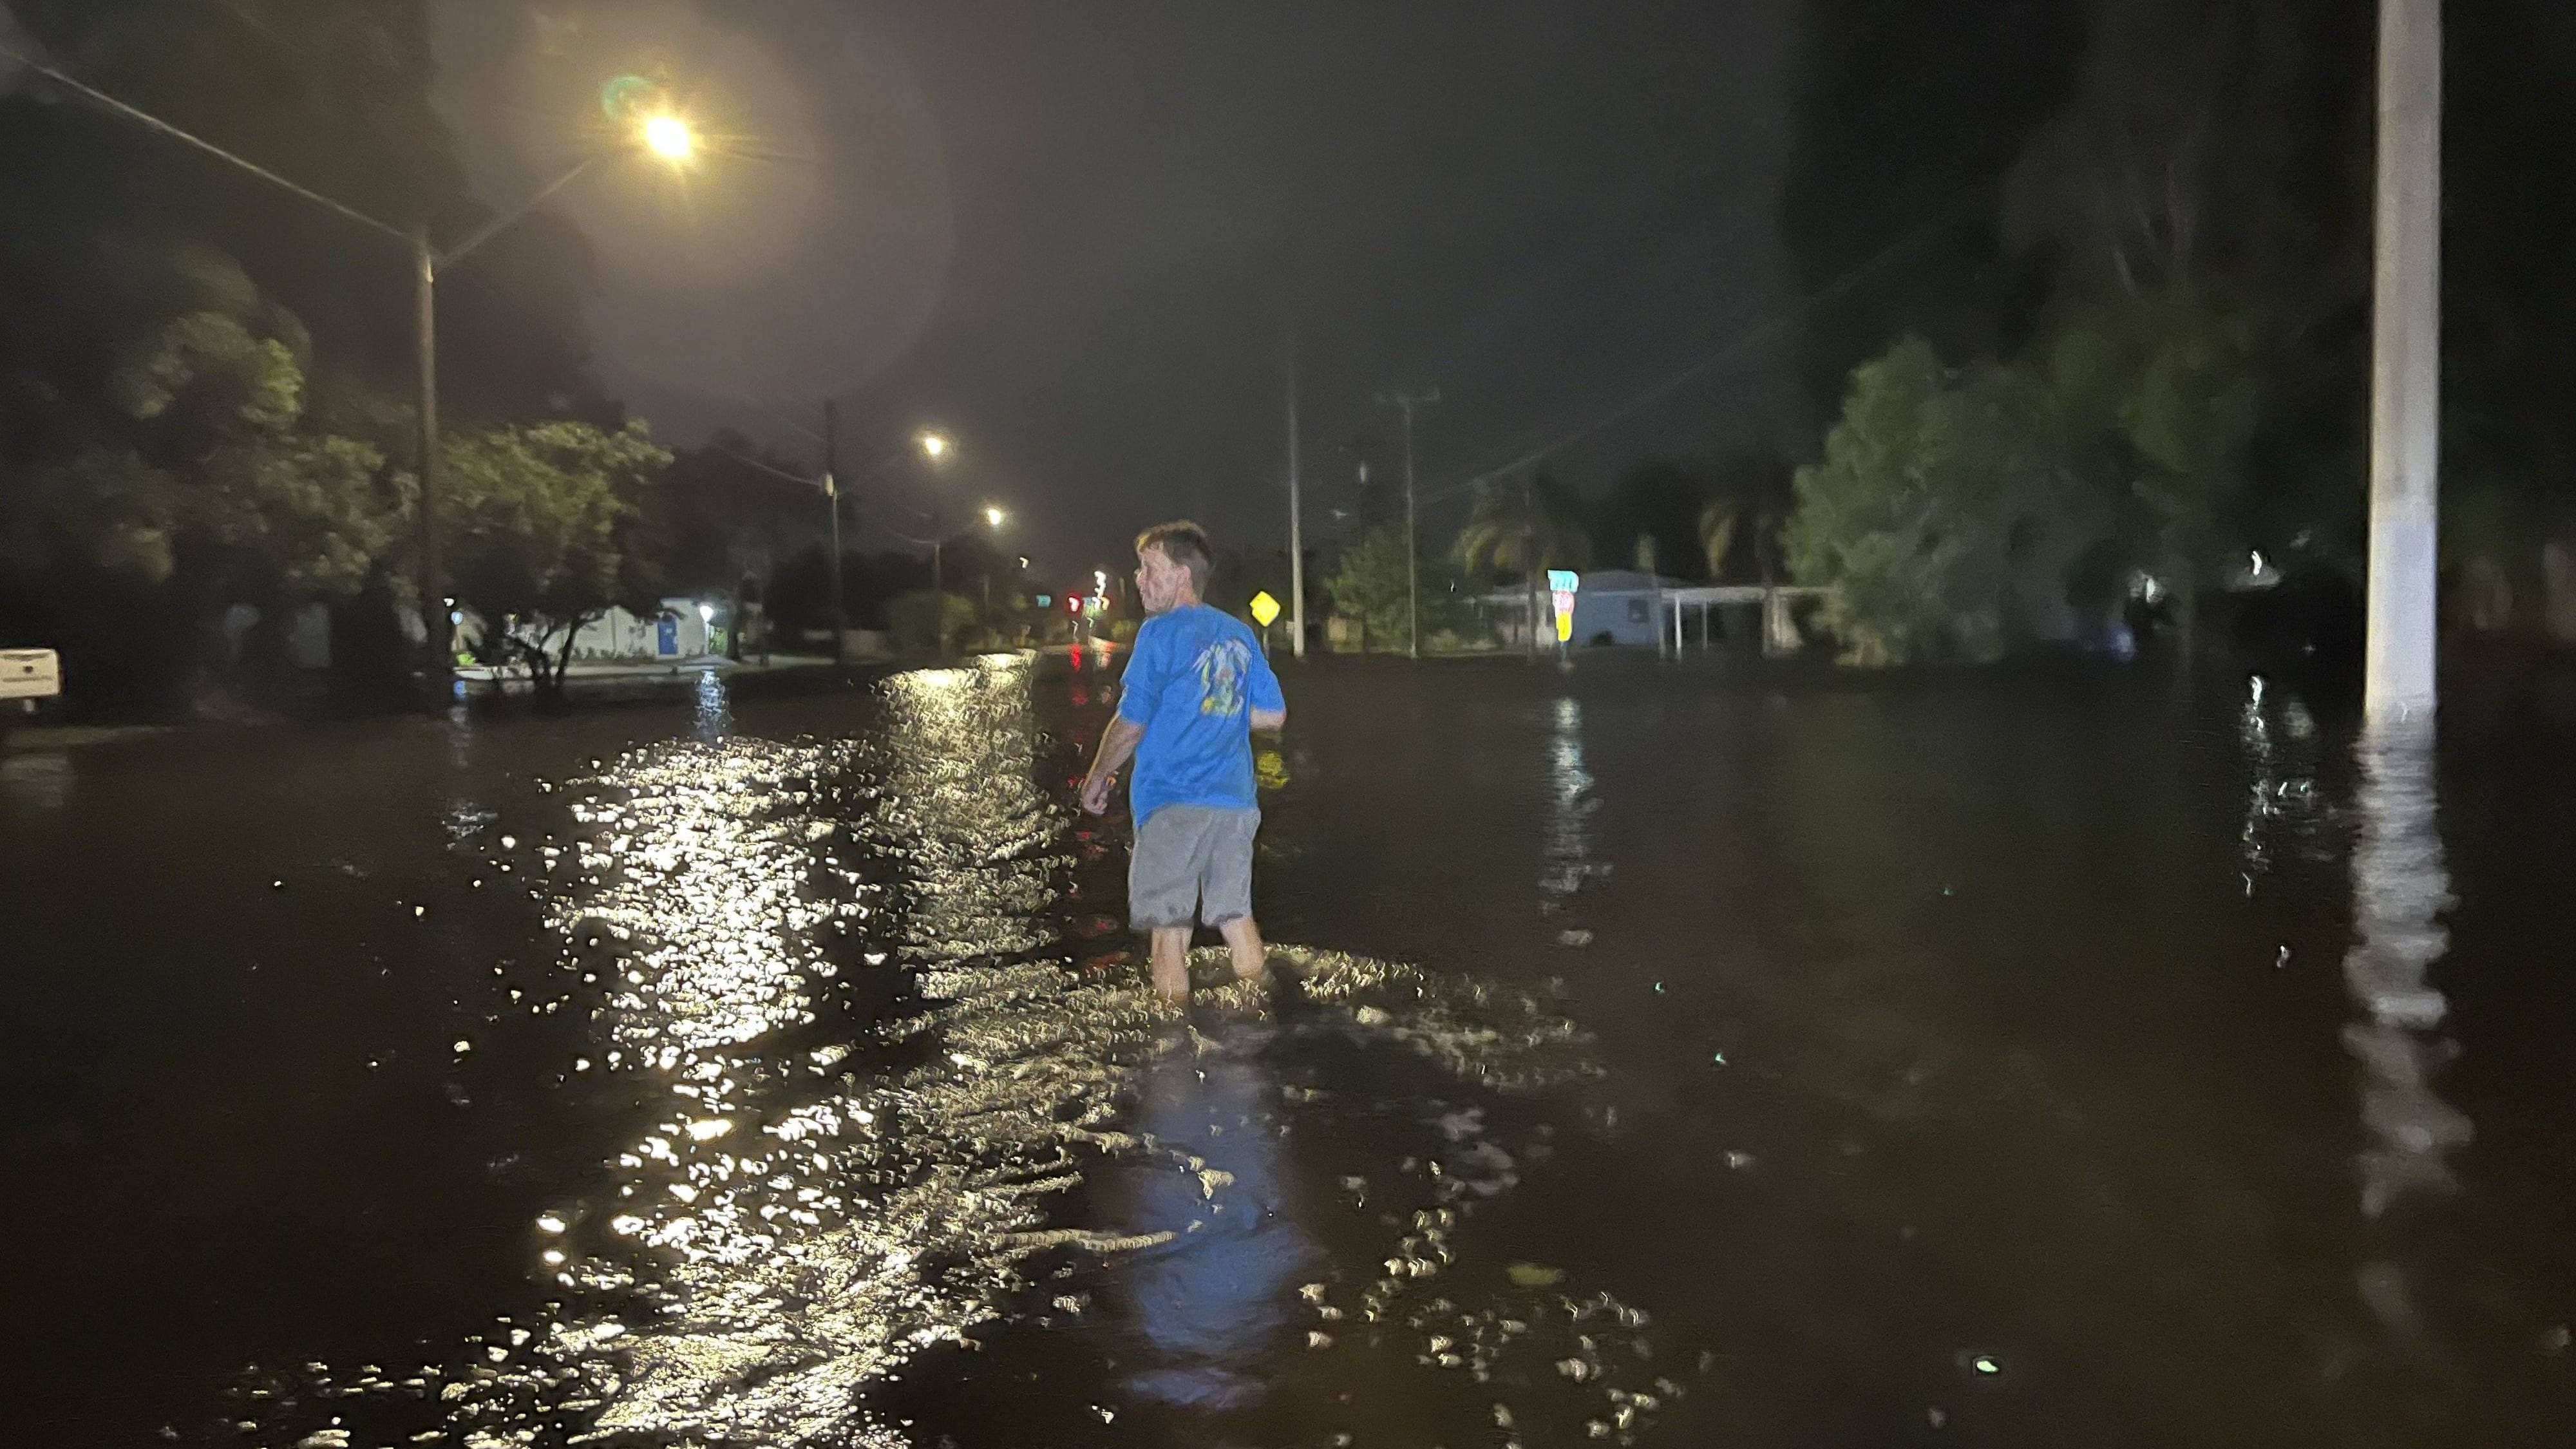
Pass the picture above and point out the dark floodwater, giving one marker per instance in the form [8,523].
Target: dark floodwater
[1680,1057]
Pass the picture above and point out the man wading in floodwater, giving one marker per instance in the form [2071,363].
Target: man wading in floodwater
[1196,688]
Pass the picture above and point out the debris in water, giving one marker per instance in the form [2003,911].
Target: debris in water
[1533,1275]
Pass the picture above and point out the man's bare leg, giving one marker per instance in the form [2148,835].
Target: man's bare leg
[1243,938]
[1172,962]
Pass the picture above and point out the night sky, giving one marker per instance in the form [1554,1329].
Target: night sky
[1075,234]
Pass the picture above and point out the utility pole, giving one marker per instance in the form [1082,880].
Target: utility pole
[434,607]
[1405,403]
[1529,522]
[2406,365]
[1296,517]
[832,499]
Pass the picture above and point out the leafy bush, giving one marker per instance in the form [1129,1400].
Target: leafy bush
[910,616]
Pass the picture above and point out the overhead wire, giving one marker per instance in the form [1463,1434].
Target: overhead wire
[1664,387]
[1667,385]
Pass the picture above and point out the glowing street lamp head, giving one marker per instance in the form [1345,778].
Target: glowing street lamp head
[934,446]
[994,516]
[669,137]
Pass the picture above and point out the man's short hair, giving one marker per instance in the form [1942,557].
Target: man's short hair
[1186,544]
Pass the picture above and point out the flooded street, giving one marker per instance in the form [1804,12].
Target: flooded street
[1674,1056]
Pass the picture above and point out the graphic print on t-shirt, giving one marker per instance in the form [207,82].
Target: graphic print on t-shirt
[1221,669]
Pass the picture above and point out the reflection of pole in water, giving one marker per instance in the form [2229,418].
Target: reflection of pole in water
[2399,888]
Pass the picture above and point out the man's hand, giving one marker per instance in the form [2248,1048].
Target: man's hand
[1117,744]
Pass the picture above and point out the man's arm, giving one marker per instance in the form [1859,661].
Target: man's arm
[1269,705]
[1117,746]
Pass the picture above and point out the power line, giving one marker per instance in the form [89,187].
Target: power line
[161,127]
[1665,387]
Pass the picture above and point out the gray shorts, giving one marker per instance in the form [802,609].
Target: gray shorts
[1191,862]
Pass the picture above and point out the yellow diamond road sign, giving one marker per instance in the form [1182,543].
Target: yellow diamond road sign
[1264,608]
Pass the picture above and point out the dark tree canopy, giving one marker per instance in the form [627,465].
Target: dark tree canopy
[1906,118]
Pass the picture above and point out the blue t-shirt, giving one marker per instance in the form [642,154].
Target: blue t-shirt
[1193,682]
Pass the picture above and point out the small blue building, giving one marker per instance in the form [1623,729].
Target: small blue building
[1620,606]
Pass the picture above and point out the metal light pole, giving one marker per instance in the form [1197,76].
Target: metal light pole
[994,518]
[435,611]
[1406,402]
[1529,525]
[2406,363]
[1296,518]
[832,500]
[934,446]
[663,134]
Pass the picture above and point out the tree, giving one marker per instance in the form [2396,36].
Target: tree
[1523,525]
[2169,383]
[1948,511]
[1904,117]
[1657,501]
[545,533]
[196,369]
[211,465]
[1370,584]
[1749,502]
[921,622]
[175,472]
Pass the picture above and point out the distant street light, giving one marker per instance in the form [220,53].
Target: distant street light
[935,446]
[664,134]
[995,518]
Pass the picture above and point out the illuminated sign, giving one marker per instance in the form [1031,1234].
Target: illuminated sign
[1046,601]
[1264,608]
[1561,587]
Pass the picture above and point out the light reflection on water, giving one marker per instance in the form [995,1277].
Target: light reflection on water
[1212,1296]
[36,782]
[2283,807]
[2400,888]
[1566,852]
[806,1203]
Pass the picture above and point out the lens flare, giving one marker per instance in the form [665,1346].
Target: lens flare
[670,138]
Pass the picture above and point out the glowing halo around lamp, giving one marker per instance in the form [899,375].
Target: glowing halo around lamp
[670,138]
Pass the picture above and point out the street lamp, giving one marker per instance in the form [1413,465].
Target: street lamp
[935,446]
[664,134]
[994,517]
[670,138]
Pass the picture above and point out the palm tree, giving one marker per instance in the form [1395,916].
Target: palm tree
[1748,490]
[1523,525]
